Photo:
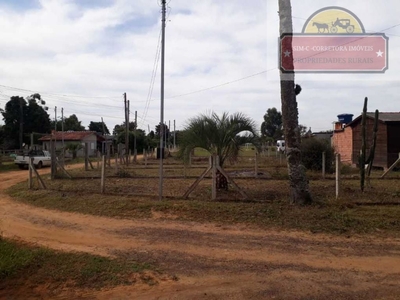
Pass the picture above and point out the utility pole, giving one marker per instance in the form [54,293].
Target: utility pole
[165,134]
[102,126]
[62,134]
[160,188]
[127,133]
[134,141]
[174,136]
[21,121]
[55,119]
[169,134]
[126,129]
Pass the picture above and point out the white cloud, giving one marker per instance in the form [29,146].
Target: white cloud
[63,47]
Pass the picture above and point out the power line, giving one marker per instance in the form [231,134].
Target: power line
[153,78]
[222,84]
[57,95]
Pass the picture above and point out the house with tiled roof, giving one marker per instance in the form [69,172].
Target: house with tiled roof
[91,138]
[346,139]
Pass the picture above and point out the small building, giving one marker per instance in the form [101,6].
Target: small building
[346,139]
[93,140]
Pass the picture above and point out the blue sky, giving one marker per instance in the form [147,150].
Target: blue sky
[83,55]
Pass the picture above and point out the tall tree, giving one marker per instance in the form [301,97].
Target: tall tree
[21,116]
[72,123]
[98,127]
[272,125]
[165,131]
[299,188]
[121,128]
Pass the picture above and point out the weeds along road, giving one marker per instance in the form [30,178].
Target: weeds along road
[211,261]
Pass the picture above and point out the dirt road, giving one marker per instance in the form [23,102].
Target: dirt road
[214,262]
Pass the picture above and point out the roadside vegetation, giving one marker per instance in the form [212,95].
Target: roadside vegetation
[376,211]
[22,264]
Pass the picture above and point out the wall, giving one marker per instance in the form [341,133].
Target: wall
[342,141]
[393,130]
[91,139]
[381,142]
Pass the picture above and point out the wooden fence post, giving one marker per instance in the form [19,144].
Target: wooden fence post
[323,165]
[53,159]
[30,181]
[391,167]
[103,173]
[214,177]
[86,156]
[337,175]
[109,154]
[256,165]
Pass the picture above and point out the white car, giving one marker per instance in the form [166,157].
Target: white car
[41,158]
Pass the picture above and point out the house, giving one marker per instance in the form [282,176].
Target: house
[346,139]
[93,140]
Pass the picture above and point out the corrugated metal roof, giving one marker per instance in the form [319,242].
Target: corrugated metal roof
[387,116]
[383,117]
[70,136]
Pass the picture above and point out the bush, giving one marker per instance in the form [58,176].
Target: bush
[311,151]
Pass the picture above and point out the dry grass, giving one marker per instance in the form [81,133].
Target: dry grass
[24,266]
[133,196]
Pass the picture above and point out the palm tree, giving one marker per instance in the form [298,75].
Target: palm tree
[74,148]
[221,136]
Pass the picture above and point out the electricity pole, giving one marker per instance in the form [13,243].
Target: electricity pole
[126,129]
[21,121]
[134,141]
[62,134]
[174,136]
[160,188]
[55,119]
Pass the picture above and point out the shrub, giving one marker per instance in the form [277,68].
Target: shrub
[311,151]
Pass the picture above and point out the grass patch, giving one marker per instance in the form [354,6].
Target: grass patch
[8,166]
[21,264]
[267,208]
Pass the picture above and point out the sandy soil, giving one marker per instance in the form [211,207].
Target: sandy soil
[210,261]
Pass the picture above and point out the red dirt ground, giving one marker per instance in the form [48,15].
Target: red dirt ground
[210,261]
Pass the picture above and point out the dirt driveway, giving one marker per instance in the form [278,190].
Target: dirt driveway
[214,262]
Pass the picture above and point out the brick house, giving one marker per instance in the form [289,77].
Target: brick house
[346,139]
[92,138]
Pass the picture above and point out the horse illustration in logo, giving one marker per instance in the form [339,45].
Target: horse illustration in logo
[321,27]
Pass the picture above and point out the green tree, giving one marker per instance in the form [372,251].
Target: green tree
[272,125]
[120,128]
[299,188]
[221,136]
[72,123]
[166,133]
[21,116]
[141,141]
[98,127]
[2,136]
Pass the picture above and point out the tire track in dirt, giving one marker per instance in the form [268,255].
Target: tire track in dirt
[234,262]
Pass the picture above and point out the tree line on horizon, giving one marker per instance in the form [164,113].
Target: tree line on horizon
[30,116]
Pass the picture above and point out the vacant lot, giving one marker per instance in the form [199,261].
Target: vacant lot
[260,248]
